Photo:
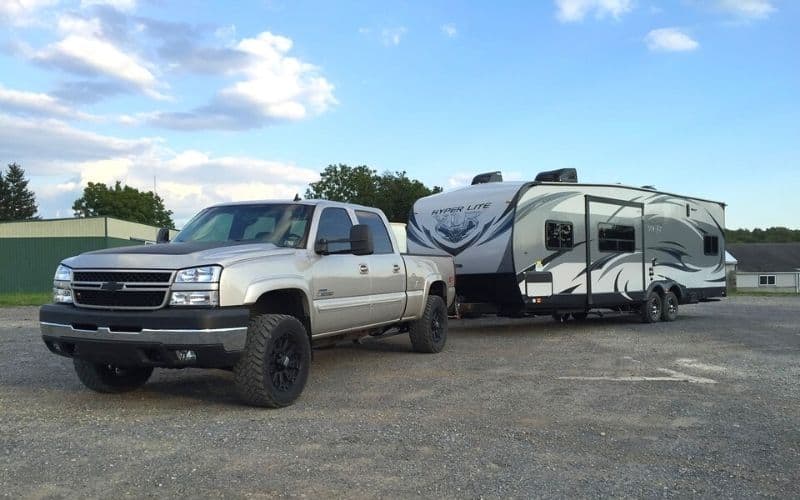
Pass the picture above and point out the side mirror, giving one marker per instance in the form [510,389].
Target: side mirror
[361,240]
[163,235]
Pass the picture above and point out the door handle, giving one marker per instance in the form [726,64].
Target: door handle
[396,268]
[363,269]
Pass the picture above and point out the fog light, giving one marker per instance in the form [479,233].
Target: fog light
[209,298]
[61,295]
[186,356]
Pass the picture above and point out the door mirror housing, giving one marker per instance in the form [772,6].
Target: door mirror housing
[360,242]
[163,235]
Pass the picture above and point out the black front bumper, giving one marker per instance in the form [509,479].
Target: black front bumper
[216,337]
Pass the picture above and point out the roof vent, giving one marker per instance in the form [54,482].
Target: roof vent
[487,177]
[560,175]
[651,188]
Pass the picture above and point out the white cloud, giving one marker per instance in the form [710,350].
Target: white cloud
[22,12]
[747,9]
[393,36]
[61,159]
[449,30]
[275,87]
[577,10]
[670,40]
[35,103]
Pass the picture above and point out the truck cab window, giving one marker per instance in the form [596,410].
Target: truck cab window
[616,238]
[335,224]
[558,235]
[380,237]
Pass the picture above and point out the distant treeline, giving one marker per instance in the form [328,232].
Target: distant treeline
[769,235]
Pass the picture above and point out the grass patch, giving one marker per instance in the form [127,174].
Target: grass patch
[25,299]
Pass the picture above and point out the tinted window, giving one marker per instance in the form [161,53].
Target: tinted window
[380,237]
[284,225]
[711,245]
[558,235]
[335,224]
[616,238]
[766,279]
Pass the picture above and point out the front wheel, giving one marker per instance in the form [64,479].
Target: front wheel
[651,309]
[111,379]
[273,369]
[429,333]
[670,308]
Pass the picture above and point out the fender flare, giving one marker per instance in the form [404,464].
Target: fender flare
[276,283]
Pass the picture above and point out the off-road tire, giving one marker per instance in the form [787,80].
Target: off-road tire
[651,308]
[429,333]
[273,369]
[110,379]
[669,307]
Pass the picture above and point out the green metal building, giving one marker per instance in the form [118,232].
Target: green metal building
[30,251]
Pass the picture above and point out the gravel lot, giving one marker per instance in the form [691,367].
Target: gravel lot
[706,406]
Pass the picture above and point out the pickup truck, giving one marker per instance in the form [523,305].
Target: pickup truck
[249,287]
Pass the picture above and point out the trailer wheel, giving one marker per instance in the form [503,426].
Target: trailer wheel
[102,377]
[429,333]
[670,307]
[273,369]
[651,308]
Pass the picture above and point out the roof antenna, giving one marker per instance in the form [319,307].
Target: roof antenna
[296,197]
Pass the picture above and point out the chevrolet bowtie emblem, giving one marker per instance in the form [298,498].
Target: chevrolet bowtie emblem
[111,286]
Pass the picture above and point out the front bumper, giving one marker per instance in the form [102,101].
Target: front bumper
[146,338]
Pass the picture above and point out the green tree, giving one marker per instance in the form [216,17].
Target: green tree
[17,202]
[123,202]
[392,192]
[758,235]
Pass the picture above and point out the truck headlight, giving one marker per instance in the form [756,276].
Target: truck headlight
[62,291]
[208,298]
[205,274]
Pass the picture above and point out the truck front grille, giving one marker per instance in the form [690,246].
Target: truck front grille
[104,289]
[119,299]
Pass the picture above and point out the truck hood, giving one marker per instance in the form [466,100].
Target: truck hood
[175,255]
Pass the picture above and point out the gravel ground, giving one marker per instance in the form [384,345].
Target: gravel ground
[705,406]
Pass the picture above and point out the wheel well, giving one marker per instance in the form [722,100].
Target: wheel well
[677,291]
[438,288]
[291,301]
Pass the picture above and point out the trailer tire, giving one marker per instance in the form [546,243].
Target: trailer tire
[273,369]
[429,333]
[651,308]
[669,309]
[110,379]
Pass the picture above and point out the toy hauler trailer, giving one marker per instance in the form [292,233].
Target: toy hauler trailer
[555,246]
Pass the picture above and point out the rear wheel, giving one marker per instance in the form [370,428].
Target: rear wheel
[580,316]
[107,378]
[651,308]
[670,307]
[560,317]
[429,333]
[274,366]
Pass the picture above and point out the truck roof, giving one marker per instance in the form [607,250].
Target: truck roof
[316,203]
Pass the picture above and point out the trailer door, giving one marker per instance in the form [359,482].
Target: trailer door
[615,265]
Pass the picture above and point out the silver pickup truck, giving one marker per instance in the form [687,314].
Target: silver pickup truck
[248,287]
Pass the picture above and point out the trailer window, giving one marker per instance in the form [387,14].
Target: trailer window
[711,245]
[616,238]
[558,235]
[766,279]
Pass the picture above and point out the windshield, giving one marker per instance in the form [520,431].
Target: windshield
[285,225]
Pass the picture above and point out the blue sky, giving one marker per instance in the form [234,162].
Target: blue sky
[247,100]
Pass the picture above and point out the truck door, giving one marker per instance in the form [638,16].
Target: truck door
[386,270]
[340,283]
[615,265]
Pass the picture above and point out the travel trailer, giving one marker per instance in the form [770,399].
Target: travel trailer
[556,246]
